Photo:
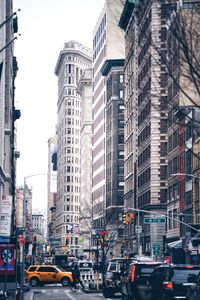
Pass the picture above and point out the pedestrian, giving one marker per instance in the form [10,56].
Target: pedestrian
[77,275]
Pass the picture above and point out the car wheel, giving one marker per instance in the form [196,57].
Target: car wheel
[34,281]
[65,281]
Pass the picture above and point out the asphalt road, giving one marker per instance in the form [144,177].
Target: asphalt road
[56,292]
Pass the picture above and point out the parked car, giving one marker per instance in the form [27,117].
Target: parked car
[135,280]
[173,281]
[112,279]
[42,274]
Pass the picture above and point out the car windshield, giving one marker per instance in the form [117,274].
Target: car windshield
[181,275]
[32,269]
[112,266]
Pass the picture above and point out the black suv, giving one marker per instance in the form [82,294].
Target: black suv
[135,281]
[112,278]
[173,282]
[194,290]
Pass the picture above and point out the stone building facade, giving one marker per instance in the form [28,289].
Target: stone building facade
[72,61]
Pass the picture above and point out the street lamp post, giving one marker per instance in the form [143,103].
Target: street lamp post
[22,249]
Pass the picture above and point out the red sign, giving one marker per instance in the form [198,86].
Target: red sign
[7,259]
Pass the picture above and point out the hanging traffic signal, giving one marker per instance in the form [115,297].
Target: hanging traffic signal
[131,217]
[125,218]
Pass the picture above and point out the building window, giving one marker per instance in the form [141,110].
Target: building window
[121,108]
[121,78]
[188,198]
[188,164]
[121,94]
[120,154]
[121,139]
[121,169]
[120,123]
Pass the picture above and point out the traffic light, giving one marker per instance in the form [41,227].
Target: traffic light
[131,217]
[67,241]
[125,218]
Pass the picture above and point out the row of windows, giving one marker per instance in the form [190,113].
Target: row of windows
[70,140]
[99,31]
[144,113]
[173,140]
[144,135]
[71,131]
[72,112]
[145,92]
[71,208]
[72,102]
[76,59]
[71,179]
[70,121]
[71,169]
[172,217]
[72,198]
[99,46]
[144,178]
[144,28]
[144,49]
[144,156]
[144,199]
[71,150]
[71,188]
[144,70]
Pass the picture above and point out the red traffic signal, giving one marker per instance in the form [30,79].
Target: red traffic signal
[131,217]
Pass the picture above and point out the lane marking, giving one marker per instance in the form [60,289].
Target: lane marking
[69,295]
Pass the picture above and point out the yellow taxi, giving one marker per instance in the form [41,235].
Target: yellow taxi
[43,274]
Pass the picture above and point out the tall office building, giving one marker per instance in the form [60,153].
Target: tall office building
[144,23]
[8,115]
[114,206]
[85,90]
[108,43]
[183,127]
[72,61]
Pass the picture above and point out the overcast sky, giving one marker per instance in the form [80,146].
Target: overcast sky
[44,25]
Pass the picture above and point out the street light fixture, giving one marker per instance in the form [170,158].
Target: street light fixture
[185,174]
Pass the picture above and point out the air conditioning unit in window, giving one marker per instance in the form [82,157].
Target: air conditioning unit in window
[177,197]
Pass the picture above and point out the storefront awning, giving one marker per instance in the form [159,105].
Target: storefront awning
[175,245]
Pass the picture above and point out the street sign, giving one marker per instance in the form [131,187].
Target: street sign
[154,220]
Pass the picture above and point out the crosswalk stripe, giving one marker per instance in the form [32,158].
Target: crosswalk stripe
[69,295]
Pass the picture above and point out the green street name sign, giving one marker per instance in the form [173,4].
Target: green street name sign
[154,220]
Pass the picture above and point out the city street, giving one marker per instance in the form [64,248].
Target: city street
[57,292]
